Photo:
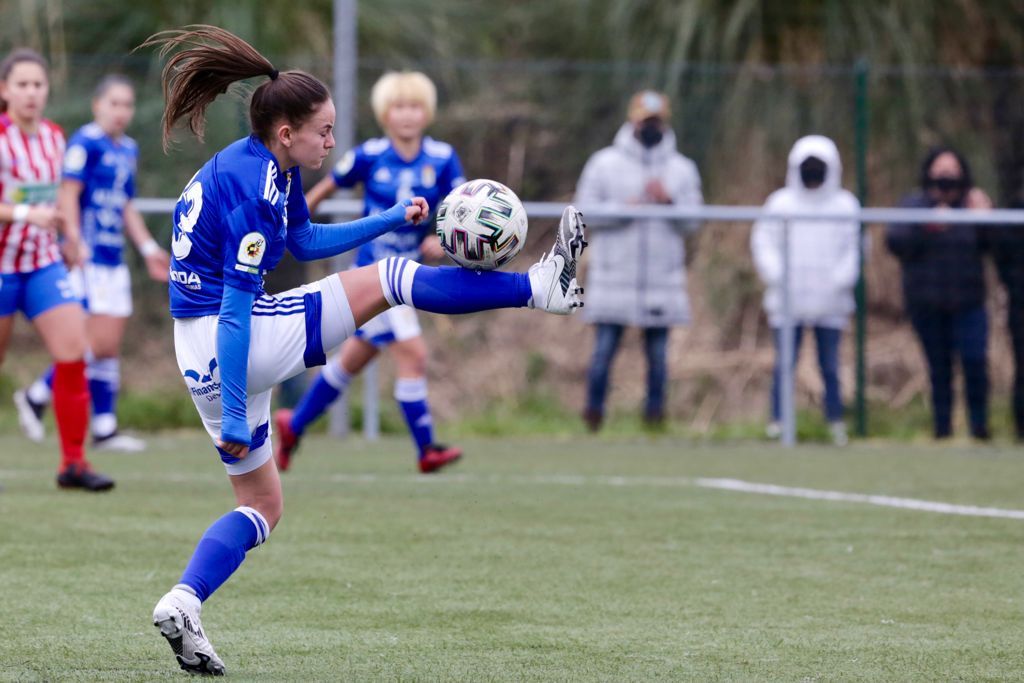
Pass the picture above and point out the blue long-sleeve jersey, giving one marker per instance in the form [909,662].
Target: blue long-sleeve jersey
[234,220]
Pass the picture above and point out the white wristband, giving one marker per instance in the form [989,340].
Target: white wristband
[148,248]
[20,214]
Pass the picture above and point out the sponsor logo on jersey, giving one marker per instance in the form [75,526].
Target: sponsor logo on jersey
[383,175]
[187,278]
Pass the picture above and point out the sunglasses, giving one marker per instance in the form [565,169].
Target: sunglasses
[946,184]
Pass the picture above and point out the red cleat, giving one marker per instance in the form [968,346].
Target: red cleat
[437,456]
[287,441]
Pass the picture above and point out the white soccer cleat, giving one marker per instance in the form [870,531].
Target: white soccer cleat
[553,278]
[119,442]
[30,416]
[177,617]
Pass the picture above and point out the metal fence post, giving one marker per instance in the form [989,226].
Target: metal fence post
[787,340]
[861,292]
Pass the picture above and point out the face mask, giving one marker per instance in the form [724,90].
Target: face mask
[649,134]
[812,172]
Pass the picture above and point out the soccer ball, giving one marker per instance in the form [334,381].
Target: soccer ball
[482,224]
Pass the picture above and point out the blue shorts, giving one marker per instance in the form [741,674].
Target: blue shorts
[36,292]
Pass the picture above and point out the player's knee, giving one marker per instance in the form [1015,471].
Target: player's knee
[270,505]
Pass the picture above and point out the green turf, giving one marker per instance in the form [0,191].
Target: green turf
[535,559]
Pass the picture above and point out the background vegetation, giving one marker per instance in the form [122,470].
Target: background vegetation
[529,90]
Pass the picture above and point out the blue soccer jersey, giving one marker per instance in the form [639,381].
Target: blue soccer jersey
[106,168]
[230,225]
[387,179]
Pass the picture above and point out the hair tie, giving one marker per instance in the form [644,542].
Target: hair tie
[274,73]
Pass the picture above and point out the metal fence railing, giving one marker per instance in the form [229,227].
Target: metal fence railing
[707,213]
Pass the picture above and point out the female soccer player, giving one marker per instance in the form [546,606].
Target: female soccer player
[234,342]
[33,278]
[403,164]
[96,198]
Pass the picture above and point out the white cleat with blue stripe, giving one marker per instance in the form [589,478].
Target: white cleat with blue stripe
[177,617]
[553,278]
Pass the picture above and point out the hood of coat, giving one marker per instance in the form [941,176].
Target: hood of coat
[823,148]
[626,141]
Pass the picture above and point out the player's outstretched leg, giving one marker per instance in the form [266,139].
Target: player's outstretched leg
[549,285]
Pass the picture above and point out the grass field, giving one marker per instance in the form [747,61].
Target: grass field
[536,559]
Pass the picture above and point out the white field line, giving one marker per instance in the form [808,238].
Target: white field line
[721,484]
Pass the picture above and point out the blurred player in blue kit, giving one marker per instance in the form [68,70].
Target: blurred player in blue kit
[234,342]
[403,164]
[97,187]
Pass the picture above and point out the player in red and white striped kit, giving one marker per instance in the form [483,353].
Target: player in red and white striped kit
[33,277]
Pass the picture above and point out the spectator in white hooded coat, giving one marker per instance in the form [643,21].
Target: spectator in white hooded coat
[637,272]
[824,265]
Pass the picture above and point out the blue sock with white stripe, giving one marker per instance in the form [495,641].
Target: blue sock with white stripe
[222,548]
[451,290]
[104,381]
[411,394]
[329,384]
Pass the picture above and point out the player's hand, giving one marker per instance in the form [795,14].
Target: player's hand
[238,450]
[158,264]
[44,216]
[418,211]
[74,252]
[431,248]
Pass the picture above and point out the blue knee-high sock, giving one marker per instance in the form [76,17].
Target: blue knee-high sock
[222,548]
[104,381]
[451,290]
[325,390]
[411,394]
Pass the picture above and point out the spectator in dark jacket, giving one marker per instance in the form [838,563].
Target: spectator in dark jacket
[944,288]
[1007,246]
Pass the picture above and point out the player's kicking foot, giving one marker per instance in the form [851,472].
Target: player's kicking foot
[287,440]
[553,278]
[80,476]
[436,456]
[177,617]
[30,416]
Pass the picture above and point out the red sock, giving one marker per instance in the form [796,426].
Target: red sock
[71,410]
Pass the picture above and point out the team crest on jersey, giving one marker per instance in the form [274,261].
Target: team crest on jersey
[428,176]
[383,175]
[250,252]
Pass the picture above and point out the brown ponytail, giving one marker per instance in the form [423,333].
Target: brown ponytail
[15,57]
[194,77]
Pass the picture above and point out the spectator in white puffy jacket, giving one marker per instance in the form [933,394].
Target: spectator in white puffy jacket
[824,265]
[636,275]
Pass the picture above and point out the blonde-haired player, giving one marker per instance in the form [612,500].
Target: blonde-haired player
[405,163]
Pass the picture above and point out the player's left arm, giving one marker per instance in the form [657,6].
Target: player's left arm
[311,241]
[158,261]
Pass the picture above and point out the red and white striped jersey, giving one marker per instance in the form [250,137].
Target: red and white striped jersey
[30,172]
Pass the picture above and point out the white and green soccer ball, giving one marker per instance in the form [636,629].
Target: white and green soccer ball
[482,224]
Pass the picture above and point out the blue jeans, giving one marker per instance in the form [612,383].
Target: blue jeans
[827,341]
[964,333]
[606,346]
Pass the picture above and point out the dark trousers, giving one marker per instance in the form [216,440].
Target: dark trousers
[1015,321]
[965,334]
[606,346]
[826,340]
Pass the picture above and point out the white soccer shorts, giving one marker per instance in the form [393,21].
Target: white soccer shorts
[104,290]
[395,324]
[290,332]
